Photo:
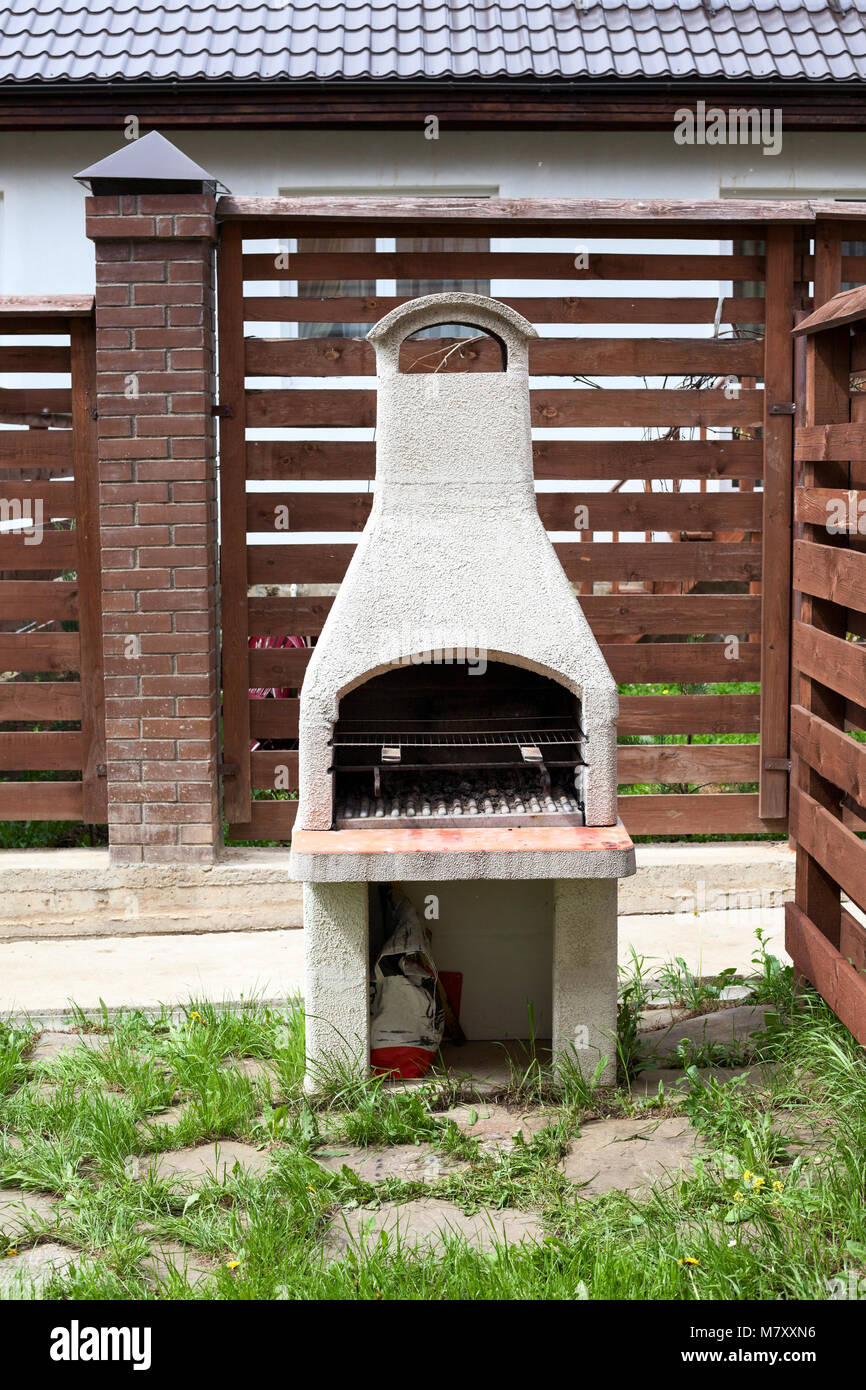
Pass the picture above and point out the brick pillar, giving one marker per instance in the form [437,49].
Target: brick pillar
[157,495]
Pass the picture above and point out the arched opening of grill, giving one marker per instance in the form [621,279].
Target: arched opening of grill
[457,744]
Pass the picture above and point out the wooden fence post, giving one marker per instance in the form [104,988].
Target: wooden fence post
[776,559]
[85,470]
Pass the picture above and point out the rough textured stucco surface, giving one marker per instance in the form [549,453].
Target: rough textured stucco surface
[584,974]
[336,995]
[454,545]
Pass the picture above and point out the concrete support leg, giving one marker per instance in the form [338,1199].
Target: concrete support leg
[336,1001]
[584,973]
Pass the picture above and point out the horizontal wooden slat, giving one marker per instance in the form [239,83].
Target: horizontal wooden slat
[269,765]
[837,510]
[287,617]
[550,409]
[446,215]
[641,614]
[31,400]
[624,561]
[38,600]
[680,762]
[43,751]
[271,718]
[654,662]
[836,848]
[28,358]
[36,449]
[827,443]
[269,820]
[831,660]
[278,666]
[706,813]
[57,550]
[493,265]
[842,760]
[643,406]
[688,714]
[837,981]
[572,459]
[572,309]
[45,701]
[669,614]
[620,511]
[41,801]
[39,306]
[57,499]
[831,572]
[683,661]
[547,356]
[39,651]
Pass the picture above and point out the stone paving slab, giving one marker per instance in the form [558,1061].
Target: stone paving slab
[18,1209]
[167,1258]
[619,1155]
[496,1126]
[205,1161]
[53,1044]
[427,1224]
[26,1275]
[726,1026]
[255,1069]
[163,1118]
[646,1083]
[409,1162]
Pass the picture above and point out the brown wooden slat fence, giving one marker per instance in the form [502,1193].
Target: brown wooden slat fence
[826,940]
[711,564]
[51,576]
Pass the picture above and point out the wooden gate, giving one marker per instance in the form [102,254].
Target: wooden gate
[51,690]
[688,592]
[826,941]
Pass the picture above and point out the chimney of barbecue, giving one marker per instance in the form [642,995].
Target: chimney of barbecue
[454,546]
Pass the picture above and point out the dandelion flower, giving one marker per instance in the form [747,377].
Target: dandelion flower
[233,1264]
[194,1014]
[11,1251]
[689,1261]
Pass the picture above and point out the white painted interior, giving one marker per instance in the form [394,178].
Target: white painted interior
[500,936]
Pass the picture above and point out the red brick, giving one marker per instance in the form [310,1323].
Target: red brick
[167,338]
[134,448]
[114,427]
[104,227]
[169,294]
[111,294]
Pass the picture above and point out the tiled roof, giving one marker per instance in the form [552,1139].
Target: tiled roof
[285,40]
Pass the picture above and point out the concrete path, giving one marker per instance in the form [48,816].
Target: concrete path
[43,976]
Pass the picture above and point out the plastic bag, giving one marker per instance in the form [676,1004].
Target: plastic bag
[405,1014]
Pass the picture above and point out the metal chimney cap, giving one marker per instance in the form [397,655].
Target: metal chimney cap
[149,165]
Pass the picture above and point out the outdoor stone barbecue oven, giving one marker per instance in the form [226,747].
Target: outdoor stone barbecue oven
[458,723]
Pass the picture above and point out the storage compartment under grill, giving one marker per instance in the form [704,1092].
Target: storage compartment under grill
[451,744]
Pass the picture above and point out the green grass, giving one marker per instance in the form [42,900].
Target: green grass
[762,1216]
